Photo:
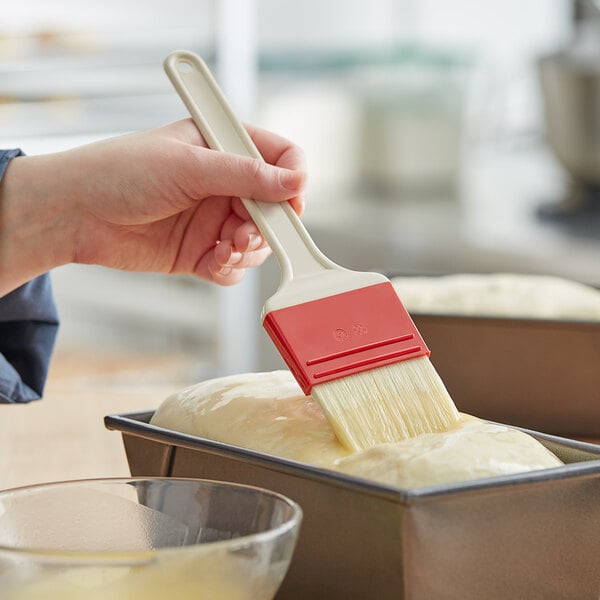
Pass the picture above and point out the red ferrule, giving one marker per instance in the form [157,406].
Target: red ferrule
[347,333]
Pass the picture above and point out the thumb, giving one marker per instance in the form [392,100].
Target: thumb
[224,174]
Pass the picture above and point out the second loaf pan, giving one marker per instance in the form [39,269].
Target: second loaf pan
[539,374]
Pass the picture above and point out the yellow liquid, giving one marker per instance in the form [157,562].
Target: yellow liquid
[52,588]
[199,578]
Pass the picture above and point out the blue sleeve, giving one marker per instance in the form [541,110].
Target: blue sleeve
[28,327]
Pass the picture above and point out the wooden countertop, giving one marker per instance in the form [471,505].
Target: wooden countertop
[63,436]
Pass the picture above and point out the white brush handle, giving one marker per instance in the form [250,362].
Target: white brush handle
[306,273]
[278,223]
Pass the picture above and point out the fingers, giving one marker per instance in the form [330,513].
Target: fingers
[247,238]
[279,151]
[227,276]
[240,211]
[228,256]
[222,174]
[276,150]
[298,204]
[202,172]
[228,264]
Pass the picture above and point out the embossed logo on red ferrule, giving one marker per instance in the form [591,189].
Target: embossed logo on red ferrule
[340,335]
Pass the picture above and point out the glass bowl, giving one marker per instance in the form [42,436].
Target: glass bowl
[144,538]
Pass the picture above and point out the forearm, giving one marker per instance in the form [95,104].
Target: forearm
[36,223]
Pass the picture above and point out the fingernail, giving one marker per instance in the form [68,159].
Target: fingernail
[234,258]
[254,241]
[224,271]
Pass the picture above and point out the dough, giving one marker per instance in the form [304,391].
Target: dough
[269,413]
[500,295]
[472,449]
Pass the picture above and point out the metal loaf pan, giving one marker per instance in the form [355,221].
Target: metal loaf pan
[539,374]
[528,536]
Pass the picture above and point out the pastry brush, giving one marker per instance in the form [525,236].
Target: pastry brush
[344,335]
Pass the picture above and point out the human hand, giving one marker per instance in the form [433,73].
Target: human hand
[158,200]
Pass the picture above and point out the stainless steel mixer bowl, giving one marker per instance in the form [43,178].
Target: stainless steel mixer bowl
[571,96]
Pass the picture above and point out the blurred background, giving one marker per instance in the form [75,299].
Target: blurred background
[443,136]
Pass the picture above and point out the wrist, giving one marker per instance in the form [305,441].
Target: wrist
[36,229]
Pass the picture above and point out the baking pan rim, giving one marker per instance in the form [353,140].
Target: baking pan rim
[137,424]
[528,321]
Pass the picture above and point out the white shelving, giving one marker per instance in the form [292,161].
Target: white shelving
[72,74]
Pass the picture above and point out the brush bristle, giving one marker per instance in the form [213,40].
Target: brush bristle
[387,404]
